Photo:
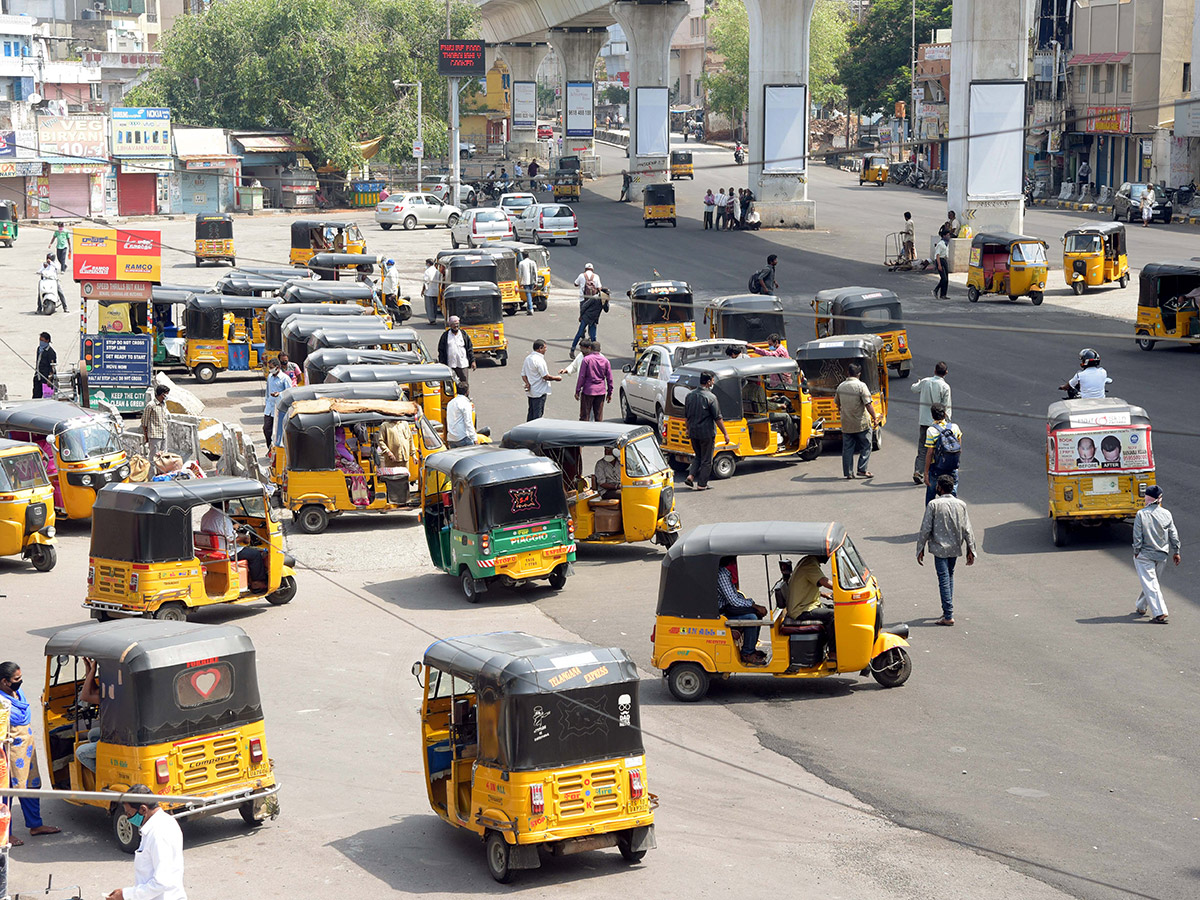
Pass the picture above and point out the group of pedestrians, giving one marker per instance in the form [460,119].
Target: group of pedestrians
[727,210]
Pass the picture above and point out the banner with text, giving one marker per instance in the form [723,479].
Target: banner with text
[116,254]
[141,131]
[524,104]
[581,117]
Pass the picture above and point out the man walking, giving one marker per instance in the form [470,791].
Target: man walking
[594,385]
[43,365]
[858,421]
[455,349]
[527,276]
[536,378]
[763,281]
[626,184]
[702,415]
[460,418]
[277,383]
[929,391]
[943,450]
[945,528]
[154,423]
[158,863]
[941,262]
[1154,539]
[591,305]
[429,289]
[60,243]
[910,241]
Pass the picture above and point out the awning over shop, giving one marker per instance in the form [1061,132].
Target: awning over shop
[204,148]
[1095,59]
[267,142]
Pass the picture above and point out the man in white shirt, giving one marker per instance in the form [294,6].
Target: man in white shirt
[537,378]
[460,419]
[429,290]
[1091,378]
[527,276]
[158,863]
[390,288]
[941,261]
[455,349]
[215,521]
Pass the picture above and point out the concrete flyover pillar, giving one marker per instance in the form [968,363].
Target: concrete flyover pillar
[988,67]
[777,154]
[523,60]
[649,28]
[577,49]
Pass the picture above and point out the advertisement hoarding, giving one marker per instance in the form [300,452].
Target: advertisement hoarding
[524,104]
[785,121]
[581,116]
[1111,449]
[653,119]
[77,138]
[141,131]
[461,59]
[111,254]
[996,146]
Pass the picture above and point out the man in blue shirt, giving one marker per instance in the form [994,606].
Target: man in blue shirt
[277,383]
[735,605]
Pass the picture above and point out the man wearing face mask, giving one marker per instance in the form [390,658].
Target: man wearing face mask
[43,366]
[608,475]
[22,755]
[158,863]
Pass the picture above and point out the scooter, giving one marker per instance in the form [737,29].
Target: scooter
[50,295]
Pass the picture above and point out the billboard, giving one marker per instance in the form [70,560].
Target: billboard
[141,131]
[112,254]
[1112,449]
[461,59]
[996,146]
[785,121]
[73,138]
[581,116]
[652,119]
[524,104]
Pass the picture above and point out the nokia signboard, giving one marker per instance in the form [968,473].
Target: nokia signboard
[461,59]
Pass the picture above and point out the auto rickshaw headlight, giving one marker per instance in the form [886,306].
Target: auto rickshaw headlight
[124,471]
[673,520]
[86,480]
[48,531]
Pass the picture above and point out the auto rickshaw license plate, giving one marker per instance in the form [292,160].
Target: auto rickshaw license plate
[1108,484]
[527,562]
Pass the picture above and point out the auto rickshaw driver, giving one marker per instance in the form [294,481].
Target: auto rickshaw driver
[90,694]
[803,583]
[608,475]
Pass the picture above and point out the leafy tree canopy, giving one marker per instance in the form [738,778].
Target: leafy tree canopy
[322,69]
[876,66]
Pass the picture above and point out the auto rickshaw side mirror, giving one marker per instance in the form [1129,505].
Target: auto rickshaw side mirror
[416,670]
[63,659]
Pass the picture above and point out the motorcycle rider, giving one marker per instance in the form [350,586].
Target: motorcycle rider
[739,154]
[1089,382]
[48,284]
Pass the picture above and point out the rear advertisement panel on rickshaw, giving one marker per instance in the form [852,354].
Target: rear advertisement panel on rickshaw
[1112,449]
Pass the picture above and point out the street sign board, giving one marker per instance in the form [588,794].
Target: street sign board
[461,59]
[118,360]
[132,291]
[418,148]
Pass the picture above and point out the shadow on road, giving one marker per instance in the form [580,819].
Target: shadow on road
[1023,536]
[441,592]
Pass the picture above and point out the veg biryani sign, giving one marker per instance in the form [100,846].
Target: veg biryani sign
[116,254]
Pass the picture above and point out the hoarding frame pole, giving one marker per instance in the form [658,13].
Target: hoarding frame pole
[455,154]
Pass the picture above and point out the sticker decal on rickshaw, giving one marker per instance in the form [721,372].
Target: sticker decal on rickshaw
[624,709]
[558,679]
[594,674]
[583,719]
[540,730]
[524,499]
[704,632]
[205,682]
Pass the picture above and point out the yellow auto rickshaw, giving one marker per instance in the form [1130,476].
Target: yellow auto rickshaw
[280,314]
[345,455]
[81,449]
[432,395]
[874,169]
[767,412]
[644,506]
[489,701]
[1010,264]
[312,236]
[1167,295]
[662,313]
[1099,462]
[567,180]
[350,334]
[752,318]
[866,310]
[172,705]
[478,307]
[695,640]
[214,238]
[1094,255]
[339,293]
[153,556]
[225,334]
[506,259]
[541,258]
[658,204]
[320,364]
[681,165]
[825,364]
[26,506]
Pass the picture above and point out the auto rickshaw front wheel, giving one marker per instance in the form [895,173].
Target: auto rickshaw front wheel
[1037,297]
[1079,286]
[128,838]
[687,681]
[891,668]
[43,557]
[286,592]
[497,851]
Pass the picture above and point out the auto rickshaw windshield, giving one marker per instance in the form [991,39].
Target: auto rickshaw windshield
[1084,242]
[659,308]
[87,441]
[1031,252]
[22,472]
[643,458]
[852,571]
[249,507]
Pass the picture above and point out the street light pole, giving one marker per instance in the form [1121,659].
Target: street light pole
[912,92]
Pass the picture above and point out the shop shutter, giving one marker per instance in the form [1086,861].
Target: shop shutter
[70,197]
[201,192]
[136,194]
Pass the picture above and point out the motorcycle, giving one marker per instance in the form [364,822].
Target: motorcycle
[1029,191]
[739,155]
[1185,194]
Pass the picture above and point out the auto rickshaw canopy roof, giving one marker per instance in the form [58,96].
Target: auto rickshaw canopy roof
[1098,412]
[301,328]
[485,464]
[542,434]
[469,290]
[142,645]
[1178,274]
[243,283]
[1003,238]
[863,346]
[302,229]
[380,390]
[1174,268]
[6,445]
[308,291]
[728,376]
[402,373]
[322,362]
[343,260]
[642,290]
[213,217]
[46,416]
[165,497]
[687,583]
[853,303]
[348,333]
[179,287]
[1104,228]
[159,294]
[8,211]
[284,312]
[227,303]
[519,663]
[746,303]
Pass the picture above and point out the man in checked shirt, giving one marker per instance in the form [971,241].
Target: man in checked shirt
[736,605]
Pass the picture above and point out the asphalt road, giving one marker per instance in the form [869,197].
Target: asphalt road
[1048,730]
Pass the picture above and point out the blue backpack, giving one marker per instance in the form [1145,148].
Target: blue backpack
[946,449]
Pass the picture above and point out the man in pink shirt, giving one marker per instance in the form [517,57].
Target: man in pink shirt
[594,386]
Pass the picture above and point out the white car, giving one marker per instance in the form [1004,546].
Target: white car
[440,188]
[480,226]
[644,387]
[514,204]
[544,223]
[411,210]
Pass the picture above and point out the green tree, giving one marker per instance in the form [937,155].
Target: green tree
[614,94]
[322,69]
[876,67]
[729,28]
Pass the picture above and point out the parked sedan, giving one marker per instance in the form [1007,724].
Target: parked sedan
[644,387]
[544,223]
[411,210]
[480,226]
[1127,204]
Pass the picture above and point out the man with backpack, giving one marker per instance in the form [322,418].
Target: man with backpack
[593,300]
[763,281]
[943,450]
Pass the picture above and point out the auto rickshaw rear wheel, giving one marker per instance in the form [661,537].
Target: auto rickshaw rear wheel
[1123,280]
[286,592]
[558,577]
[497,851]
[724,465]
[625,845]
[1037,297]
[312,519]
[205,373]
[876,439]
[171,612]
[468,585]
[253,812]
[903,370]
[687,681]
[1143,341]
[1058,531]
[43,557]
[973,294]
[891,668]
[128,838]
